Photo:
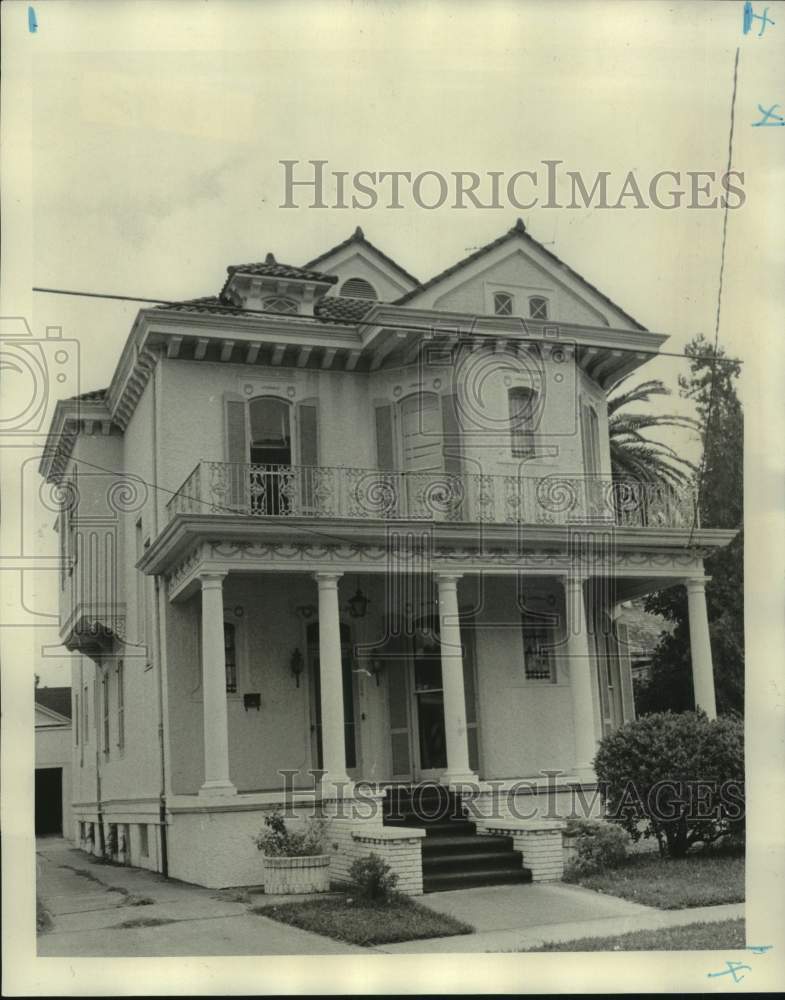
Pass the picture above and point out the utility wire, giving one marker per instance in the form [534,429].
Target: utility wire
[713,357]
[409,327]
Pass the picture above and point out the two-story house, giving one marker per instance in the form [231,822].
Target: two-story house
[337,519]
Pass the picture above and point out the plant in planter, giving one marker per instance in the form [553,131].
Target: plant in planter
[294,861]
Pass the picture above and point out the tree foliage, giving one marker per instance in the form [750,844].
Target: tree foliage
[711,384]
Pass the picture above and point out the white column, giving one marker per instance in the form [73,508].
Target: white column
[331,675]
[580,678]
[458,769]
[216,723]
[700,647]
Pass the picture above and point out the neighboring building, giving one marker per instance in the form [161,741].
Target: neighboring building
[644,631]
[335,518]
[53,758]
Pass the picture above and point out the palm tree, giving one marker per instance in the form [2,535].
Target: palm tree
[637,457]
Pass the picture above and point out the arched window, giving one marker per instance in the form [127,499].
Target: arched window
[279,304]
[270,431]
[538,307]
[502,303]
[358,288]
[523,404]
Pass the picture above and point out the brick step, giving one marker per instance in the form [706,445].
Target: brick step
[460,844]
[476,877]
[470,862]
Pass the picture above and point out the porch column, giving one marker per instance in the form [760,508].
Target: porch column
[458,769]
[580,678]
[700,646]
[331,673]
[216,725]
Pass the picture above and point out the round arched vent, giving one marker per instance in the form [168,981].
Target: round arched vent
[358,288]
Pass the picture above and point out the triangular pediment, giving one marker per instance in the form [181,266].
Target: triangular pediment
[358,259]
[520,267]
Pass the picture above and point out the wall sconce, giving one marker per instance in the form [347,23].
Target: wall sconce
[377,669]
[358,604]
[296,665]
[306,611]
[253,700]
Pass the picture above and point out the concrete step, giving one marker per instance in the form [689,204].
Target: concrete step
[507,860]
[460,844]
[476,877]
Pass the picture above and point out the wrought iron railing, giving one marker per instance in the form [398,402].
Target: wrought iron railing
[370,494]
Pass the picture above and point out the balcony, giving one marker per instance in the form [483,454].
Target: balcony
[321,493]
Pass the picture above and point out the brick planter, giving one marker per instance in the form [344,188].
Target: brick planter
[285,876]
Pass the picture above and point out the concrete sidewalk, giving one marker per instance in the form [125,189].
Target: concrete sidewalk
[89,902]
[517,917]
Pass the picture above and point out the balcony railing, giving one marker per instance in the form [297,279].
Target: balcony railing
[370,494]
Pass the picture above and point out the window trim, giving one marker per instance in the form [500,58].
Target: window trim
[120,699]
[545,304]
[106,728]
[284,299]
[510,302]
[523,439]
[536,621]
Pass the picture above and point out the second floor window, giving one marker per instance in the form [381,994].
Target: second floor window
[538,307]
[522,403]
[105,707]
[120,706]
[502,303]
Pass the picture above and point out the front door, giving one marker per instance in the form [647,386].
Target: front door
[349,715]
[431,743]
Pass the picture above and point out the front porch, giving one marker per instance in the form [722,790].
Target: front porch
[486,671]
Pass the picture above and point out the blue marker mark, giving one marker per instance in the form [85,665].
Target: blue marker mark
[750,16]
[769,113]
[32,23]
[734,969]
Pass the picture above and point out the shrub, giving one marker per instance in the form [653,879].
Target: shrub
[279,842]
[676,777]
[372,878]
[599,845]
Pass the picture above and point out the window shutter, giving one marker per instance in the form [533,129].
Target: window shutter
[385,451]
[307,423]
[622,649]
[451,435]
[237,452]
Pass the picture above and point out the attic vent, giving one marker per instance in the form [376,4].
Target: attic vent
[278,304]
[358,288]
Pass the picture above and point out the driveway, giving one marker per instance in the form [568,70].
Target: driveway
[91,905]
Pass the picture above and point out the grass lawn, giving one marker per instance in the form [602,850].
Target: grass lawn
[701,879]
[358,922]
[695,937]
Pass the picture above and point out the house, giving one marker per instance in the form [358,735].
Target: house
[336,519]
[644,631]
[53,759]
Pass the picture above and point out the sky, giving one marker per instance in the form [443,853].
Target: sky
[156,133]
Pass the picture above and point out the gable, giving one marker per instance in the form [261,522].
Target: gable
[47,719]
[521,276]
[357,257]
[515,258]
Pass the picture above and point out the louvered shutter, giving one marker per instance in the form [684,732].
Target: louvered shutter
[385,451]
[308,458]
[622,649]
[452,450]
[237,484]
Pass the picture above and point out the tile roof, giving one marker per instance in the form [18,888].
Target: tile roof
[340,309]
[57,699]
[517,231]
[270,268]
[206,304]
[358,236]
